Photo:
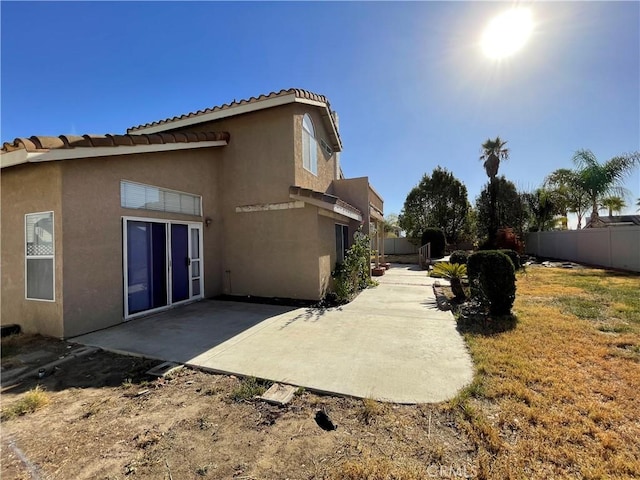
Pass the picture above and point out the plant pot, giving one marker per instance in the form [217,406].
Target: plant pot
[378,271]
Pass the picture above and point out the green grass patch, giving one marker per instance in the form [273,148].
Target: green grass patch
[584,308]
[249,388]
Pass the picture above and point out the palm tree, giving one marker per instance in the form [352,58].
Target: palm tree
[598,179]
[572,198]
[613,203]
[493,151]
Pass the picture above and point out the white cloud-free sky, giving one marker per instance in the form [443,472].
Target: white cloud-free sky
[409,80]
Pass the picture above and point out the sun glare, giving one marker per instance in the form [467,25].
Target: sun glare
[507,33]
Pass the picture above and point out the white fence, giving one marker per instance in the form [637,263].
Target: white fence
[615,247]
[399,246]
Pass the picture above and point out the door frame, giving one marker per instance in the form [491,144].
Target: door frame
[168,273]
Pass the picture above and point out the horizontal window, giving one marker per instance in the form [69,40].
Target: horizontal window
[148,197]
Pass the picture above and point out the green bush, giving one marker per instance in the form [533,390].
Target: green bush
[353,274]
[492,279]
[454,272]
[513,256]
[459,256]
[435,236]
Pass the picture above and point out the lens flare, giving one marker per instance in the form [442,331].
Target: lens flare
[507,33]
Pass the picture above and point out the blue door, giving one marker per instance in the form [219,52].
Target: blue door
[146,266]
[180,262]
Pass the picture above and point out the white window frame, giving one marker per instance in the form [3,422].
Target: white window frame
[345,247]
[51,257]
[309,145]
[169,284]
[161,190]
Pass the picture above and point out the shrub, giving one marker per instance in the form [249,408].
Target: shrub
[493,280]
[31,401]
[513,256]
[435,236]
[352,275]
[459,256]
[454,273]
[506,239]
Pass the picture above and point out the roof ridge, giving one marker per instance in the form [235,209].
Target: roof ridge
[298,92]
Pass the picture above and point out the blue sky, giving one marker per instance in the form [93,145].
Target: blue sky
[409,81]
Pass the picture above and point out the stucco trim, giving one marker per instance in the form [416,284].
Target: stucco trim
[21,156]
[335,216]
[265,207]
[375,213]
[331,207]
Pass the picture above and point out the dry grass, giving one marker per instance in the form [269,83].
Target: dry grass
[558,395]
[371,409]
[377,468]
[30,402]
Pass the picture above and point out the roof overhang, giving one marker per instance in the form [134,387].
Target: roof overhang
[20,156]
[331,207]
[248,108]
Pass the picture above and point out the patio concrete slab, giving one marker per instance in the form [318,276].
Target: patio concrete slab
[391,343]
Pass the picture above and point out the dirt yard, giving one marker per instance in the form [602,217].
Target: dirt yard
[106,419]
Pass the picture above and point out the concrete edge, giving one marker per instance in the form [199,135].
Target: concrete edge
[77,353]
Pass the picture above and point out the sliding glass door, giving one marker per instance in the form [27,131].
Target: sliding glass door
[161,264]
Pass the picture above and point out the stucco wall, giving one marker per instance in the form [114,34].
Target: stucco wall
[93,226]
[355,191]
[326,163]
[258,163]
[26,189]
[272,254]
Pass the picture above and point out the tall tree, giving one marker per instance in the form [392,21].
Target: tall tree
[493,152]
[439,200]
[613,203]
[600,179]
[510,207]
[391,226]
[569,193]
[544,205]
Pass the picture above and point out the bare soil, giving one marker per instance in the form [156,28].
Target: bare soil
[107,419]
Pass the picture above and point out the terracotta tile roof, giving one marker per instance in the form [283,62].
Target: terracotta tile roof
[323,197]
[39,143]
[298,93]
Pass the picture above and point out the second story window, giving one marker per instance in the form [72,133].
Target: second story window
[309,145]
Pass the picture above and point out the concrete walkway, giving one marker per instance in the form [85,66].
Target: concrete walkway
[391,343]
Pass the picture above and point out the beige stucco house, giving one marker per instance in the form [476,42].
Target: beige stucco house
[247,198]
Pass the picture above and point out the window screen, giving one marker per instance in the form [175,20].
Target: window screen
[39,256]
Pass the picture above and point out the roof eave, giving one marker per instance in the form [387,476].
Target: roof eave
[247,108]
[17,157]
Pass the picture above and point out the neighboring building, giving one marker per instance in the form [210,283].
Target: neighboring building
[613,221]
[243,199]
